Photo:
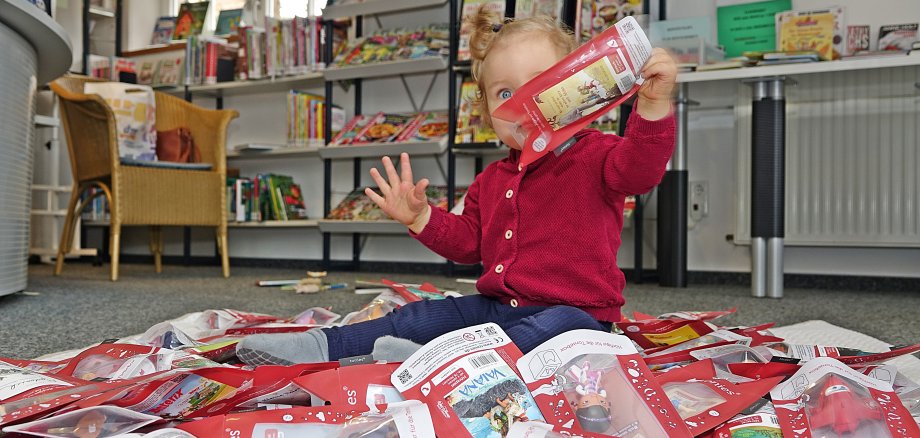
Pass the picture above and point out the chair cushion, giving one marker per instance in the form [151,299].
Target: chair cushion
[166,164]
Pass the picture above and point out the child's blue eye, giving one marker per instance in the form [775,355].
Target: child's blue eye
[504,94]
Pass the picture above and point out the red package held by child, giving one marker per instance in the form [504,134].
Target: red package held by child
[705,401]
[468,379]
[588,381]
[409,419]
[827,398]
[364,387]
[602,73]
[663,332]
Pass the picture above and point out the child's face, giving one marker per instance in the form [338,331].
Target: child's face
[509,65]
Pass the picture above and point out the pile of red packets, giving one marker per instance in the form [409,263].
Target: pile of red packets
[675,375]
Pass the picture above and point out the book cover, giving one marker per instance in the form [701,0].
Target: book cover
[228,21]
[190,19]
[146,72]
[749,27]
[897,36]
[349,131]
[469,9]
[357,206]
[820,31]
[431,126]
[857,39]
[595,16]
[163,30]
[382,128]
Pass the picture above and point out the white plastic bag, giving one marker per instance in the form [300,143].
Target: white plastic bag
[135,117]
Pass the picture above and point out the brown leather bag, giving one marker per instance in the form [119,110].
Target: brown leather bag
[177,146]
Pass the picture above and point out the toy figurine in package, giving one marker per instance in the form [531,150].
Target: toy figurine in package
[94,422]
[468,380]
[550,108]
[828,399]
[596,382]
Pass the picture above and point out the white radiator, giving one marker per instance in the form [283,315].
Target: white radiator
[852,159]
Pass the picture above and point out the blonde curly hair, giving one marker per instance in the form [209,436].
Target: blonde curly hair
[489,28]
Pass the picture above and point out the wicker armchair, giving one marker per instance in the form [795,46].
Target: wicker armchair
[154,197]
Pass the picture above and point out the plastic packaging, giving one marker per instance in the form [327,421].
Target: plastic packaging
[601,74]
[94,422]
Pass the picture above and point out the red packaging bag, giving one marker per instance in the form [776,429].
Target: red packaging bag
[468,379]
[828,399]
[663,332]
[179,394]
[97,421]
[118,361]
[359,387]
[704,401]
[596,382]
[599,75]
[409,419]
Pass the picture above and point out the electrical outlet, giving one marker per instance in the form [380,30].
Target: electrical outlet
[699,200]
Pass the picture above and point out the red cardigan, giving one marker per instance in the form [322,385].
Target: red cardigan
[548,234]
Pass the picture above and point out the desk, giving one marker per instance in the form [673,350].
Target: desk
[768,167]
[34,50]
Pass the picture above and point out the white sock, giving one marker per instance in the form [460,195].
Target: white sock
[393,349]
[284,348]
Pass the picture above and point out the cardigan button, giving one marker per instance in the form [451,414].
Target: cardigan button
[499,269]
[508,234]
[509,193]
[513,302]
[520,167]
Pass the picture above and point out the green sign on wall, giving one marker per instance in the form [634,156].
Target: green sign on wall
[749,27]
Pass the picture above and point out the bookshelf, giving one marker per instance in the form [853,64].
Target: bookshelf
[256,86]
[266,150]
[305,223]
[800,69]
[432,65]
[97,21]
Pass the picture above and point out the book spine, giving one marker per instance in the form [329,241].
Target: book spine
[242,66]
[210,64]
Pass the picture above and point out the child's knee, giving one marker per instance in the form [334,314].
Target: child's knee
[572,318]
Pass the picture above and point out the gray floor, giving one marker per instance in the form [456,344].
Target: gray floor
[82,306]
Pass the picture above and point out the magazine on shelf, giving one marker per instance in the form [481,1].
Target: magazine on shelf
[858,39]
[595,16]
[382,128]
[228,21]
[897,36]
[357,206]
[163,30]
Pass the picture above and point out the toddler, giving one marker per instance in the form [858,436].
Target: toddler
[547,234]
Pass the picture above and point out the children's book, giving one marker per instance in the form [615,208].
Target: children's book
[190,20]
[470,383]
[163,30]
[228,21]
[897,36]
[820,31]
[857,39]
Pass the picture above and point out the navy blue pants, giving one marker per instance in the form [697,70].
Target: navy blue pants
[423,321]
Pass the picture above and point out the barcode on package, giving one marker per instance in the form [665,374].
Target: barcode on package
[627,82]
[627,27]
[490,330]
[483,360]
[404,377]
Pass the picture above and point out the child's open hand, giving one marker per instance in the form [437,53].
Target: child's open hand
[403,200]
[660,73]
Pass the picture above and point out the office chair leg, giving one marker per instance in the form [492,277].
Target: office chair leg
[67,233]
[156,247]
[115,248]
[224,250]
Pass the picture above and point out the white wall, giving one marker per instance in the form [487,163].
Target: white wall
[712,157]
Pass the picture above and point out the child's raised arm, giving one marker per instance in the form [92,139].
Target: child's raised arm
[403,199]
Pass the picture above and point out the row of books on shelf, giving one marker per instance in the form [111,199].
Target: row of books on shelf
[358,207]
[392,127]
[265,197]
[281,48]
[395,44]
[306,114]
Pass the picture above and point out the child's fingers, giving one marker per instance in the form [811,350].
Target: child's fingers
[374,197]
[420,196]
[381,183]
[405,168]
[391,172]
